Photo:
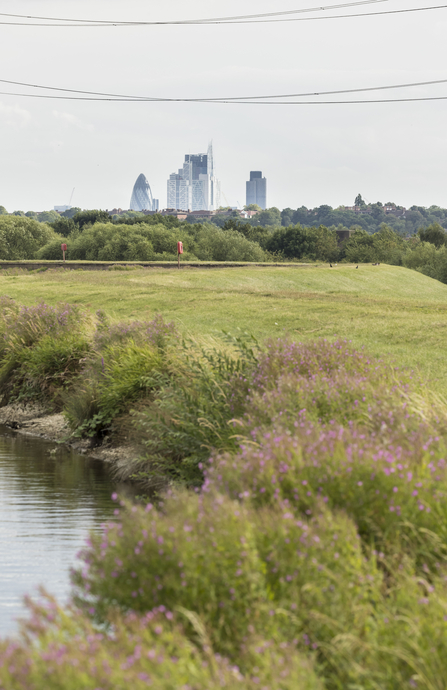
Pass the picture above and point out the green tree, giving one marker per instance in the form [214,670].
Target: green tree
[287,217]
[84,218]
[71,212]
[435,234]
[252,207]
[385,246]
[48,216]
[64,226]
[296,242]
[271,216]
[359,201]
[3,211]
[21,237]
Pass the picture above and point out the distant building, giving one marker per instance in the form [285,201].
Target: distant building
[62,209]
[256,189]
[142,199]
[194,187]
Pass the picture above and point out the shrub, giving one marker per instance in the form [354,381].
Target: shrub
[214,244]
[39,354]
[191,414]
[58,651]
[20,237]
[50,367]
[296,242]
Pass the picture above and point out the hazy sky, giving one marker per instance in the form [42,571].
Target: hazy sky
[310,155]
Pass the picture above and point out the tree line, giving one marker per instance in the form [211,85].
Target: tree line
[405,222]
[94,236]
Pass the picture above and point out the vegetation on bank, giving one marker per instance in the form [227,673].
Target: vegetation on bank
[388,309]
[311,554]
[93,236]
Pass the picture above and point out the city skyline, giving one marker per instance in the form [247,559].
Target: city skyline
[312,154]
[194,187]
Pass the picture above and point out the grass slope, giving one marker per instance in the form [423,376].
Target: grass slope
[390,310]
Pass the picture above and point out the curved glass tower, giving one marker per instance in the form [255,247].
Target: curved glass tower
[142,199]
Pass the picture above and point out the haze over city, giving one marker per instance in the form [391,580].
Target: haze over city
[311,154]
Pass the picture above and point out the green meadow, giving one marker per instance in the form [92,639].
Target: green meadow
[390,310]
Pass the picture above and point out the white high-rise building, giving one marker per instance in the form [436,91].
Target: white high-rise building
[194,187]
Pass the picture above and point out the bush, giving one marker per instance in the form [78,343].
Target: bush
[58,651]
[384,246]
[191,414]
[429,260]
[296,242]
[39,354]
[128,362]
[20,237]
[214,244]
[318,536]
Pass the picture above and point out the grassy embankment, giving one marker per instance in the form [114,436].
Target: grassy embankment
[387,309]
[313,552]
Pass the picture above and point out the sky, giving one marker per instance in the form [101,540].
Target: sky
[310,154]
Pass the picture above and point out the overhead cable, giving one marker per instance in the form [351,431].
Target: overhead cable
[219,99]
[246,18]
[218,102]
[228,20]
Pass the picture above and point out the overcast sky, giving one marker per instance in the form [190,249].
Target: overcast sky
[311,155]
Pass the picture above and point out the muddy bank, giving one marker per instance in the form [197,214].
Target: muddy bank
[35,420]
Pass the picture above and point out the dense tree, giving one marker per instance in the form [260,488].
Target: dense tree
[359,201]
[3,211]
[71,212]
[287,217]
[271,216]
[48,216]
[384,246]
[64,226]
[435,234]
[296,242]
[21,237]
[84,218]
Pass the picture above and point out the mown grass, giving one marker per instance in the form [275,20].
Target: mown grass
[388,309]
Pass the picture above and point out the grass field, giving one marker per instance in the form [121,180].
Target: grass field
[388,309]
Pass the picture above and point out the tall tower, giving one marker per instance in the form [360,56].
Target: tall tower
[194,187]
[256,189]
[142,199]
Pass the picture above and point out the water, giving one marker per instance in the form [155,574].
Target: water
[48,503]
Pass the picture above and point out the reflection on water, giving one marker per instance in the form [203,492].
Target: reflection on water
[48,502]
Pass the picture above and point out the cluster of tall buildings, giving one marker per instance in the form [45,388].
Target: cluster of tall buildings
[195,187]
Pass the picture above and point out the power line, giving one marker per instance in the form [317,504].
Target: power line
[247,18]
[219,102]
[248,21]
[225,99]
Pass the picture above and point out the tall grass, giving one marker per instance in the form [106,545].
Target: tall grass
[312,555]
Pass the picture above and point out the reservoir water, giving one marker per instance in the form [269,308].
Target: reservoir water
[48,503]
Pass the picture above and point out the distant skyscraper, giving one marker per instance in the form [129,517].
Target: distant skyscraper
[142,199]
[256,189]
[194,187]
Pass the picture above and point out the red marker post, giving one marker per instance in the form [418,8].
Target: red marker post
[179,251]
[64,249]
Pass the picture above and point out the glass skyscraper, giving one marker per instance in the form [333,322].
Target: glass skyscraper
[142,199]
[256,189]
[194,187]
